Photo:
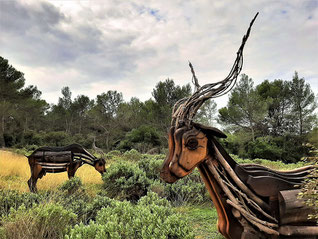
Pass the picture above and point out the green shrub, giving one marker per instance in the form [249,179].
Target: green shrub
[132,155]
[41,221]
[72,196]
[10,199]
[72,185]
[151,218]
[113,155]
[125,180]
[56,138]
[151,165]
[142,138]
[264,147]
[309,188]
[100,201]
[189,189]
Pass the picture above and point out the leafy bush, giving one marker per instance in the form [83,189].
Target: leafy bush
[73,196]
[151,166]
[41,221]
[287,148]
[125,180]
[310,188]
[263,147]
[132,155]
[100,201]
[142,138]
[72,185]
[189,189]
[151,218]
[56,138]
[10,199]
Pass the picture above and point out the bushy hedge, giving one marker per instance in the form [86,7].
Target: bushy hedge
[10,199]
[49,221]
[189,189]
[152,217]
[288,149]
[125,180]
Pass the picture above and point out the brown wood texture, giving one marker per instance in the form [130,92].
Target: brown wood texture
[293,210]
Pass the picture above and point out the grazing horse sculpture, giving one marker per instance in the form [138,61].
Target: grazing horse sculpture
[252,201]
[60,159]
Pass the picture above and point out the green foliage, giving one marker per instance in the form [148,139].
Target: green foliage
[152,217]
[277,165]
[128,180]
[189,189]
[313,137]
[41,221]
[264,147]
[10,199]
[73,196]
[100,201]
[288,148]
[245,109]
[132,155]
[58,138]
[72,185]
[151,165]
[310,188]
[125,180]
[142,138]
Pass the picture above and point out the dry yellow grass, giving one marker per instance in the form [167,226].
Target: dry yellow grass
[15,172]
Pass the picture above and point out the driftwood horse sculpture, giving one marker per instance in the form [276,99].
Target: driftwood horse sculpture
[252,201]
[60,159]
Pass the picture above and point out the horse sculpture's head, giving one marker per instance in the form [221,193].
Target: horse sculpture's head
[99,165]
[188,141]
[188,147]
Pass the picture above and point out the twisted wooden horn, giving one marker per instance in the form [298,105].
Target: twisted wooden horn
[185,109]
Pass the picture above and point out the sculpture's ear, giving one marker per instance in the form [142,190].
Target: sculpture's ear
[210,130]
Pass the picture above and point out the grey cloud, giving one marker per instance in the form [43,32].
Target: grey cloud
[42,36]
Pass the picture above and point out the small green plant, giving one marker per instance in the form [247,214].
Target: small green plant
[189,189]
[10,199]
[125,180]
[72,185]
[100,201]
[152,217]
[309,190]
[72,195]
[50,221]
[151,165]
[132,155]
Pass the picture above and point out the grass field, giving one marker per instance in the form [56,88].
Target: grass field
[15,172]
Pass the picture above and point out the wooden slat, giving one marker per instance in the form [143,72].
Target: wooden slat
[293,210]
[299,230]
[50,153]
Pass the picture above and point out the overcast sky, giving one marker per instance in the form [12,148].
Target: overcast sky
[128,46]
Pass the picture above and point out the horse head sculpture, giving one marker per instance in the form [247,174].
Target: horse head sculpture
[251,201]
[99,165]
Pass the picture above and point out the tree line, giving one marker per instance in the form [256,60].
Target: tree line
[273,120]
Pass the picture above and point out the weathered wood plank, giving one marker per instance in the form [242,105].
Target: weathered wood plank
[293,210]
[299,230]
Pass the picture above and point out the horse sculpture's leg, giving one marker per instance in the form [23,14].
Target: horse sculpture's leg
[36,172]
[72,168]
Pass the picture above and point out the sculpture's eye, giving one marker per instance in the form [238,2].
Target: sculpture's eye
[192,144]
